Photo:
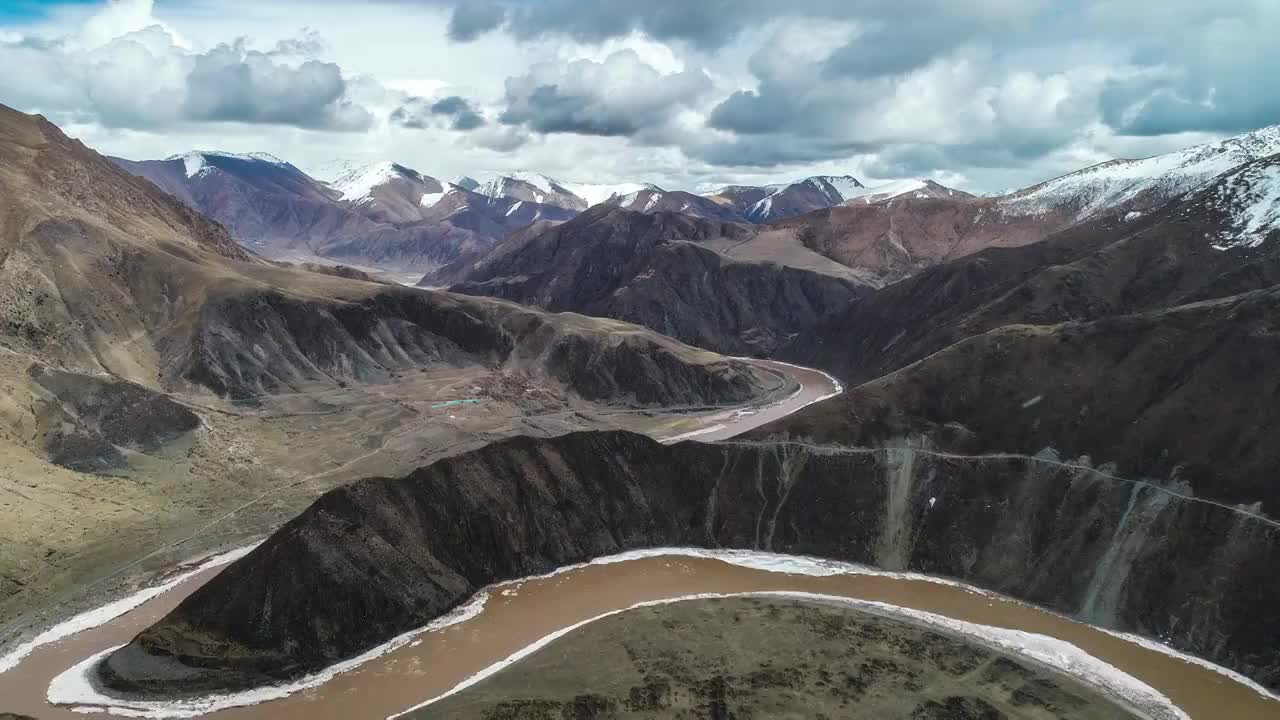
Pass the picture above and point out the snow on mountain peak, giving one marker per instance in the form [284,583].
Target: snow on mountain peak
[1160,177]
[888,190]
[358,183]
[196,162]
[846,186]
[538,180]
[594,194]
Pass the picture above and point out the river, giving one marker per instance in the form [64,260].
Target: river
[517,614]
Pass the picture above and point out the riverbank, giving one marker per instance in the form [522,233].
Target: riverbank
[772,656]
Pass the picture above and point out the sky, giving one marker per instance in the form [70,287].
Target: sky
[982,95]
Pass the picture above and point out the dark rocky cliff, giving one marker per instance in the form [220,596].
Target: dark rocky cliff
[371,560]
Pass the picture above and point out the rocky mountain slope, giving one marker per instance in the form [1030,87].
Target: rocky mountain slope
[659,270]
[140,343]
[374,559]
[104,274]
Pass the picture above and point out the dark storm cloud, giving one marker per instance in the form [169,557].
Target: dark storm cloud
[893,49]
[455,111]
[234,84]
[923,160]
[462,115]
[1214,75]
[546,109]
[472,19]
[710,24]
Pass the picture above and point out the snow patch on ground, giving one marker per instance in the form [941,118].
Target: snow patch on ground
[1050,651]
[433,199]
[762,209]
[1251,197]
[194,163]
[75,687]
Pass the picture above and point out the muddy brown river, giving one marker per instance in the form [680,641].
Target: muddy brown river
[520,613]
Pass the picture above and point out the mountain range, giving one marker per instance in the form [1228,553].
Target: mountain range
[153,371]
[386,217]
[1065,394]
[1083,421]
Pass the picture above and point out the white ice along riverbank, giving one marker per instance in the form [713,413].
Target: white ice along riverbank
[106,613]
[74,687]
[1055,653]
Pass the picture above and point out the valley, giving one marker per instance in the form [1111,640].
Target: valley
[955,402]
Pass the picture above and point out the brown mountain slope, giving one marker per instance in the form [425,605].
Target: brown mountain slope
[657,270]
[1102,267]
[155,379]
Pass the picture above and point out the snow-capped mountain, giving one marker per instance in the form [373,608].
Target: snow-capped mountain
[652,199]
[915,188]
[390,192]
[533,187]
[594,194]
[359,184]
[205,161]
[763,203]
[1141,184]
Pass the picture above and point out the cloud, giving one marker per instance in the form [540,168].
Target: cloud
[472,19]
[455,110]
[967,102]
[232,83]
[145,78]
[1213,76]
[711,24]
[620,96]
